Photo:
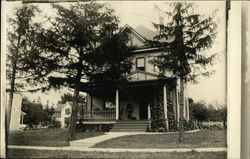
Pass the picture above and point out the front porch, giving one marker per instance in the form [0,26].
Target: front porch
[130,101]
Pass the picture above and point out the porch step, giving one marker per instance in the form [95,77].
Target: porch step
[130,126]
[128,130]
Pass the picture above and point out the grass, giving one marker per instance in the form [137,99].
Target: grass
[14,153]
[203,138]
[46,137]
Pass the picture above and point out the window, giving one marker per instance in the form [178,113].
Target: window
[140,63]
[67,111]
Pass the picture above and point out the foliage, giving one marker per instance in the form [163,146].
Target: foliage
[202,111]
[69,97]
[83,42]
[158,122]
[49,110]
[212,125]
[34,113]
[183,39]
[21,35]
[55,124]
[80,38]
[190,125]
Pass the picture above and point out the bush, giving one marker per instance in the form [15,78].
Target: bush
[212,125]
[172,125]
[190,125]
[55,124]
[93,127]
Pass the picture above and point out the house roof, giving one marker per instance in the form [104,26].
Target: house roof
[142,34]
[146,32]
[59,107]
[139,36]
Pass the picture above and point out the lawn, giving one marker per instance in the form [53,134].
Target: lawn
[46,137]
[14,153]
[203,138]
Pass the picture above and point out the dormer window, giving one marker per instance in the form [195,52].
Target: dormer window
[140,63]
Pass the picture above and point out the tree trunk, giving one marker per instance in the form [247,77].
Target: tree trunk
[12,83]
[181,126]
[11,95]
[73,117]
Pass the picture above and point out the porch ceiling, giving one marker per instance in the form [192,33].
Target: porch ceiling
[134,87]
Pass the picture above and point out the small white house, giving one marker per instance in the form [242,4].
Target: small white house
[63,113]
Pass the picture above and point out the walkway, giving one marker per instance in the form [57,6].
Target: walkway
[89,142]
[78,148]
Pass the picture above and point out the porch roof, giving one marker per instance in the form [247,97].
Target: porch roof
[90,86]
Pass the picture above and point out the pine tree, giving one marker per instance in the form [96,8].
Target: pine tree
[183,40]
[72,46]
[20,44]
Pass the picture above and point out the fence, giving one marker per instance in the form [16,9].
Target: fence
[99,114]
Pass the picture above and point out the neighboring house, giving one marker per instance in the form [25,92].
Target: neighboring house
[17,116]
[134,99]
[63,113]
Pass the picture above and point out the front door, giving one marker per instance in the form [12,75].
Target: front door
[143,110]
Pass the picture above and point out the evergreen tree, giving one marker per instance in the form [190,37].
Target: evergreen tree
[21,36]
[183,39]
[70,97]
[70,48]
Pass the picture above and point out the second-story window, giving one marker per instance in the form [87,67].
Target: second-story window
[140,63]
[67,111]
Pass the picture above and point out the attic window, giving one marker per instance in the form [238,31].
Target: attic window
[67,111]
[140,63]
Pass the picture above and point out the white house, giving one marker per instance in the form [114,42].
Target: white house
[63,113]
[135,99]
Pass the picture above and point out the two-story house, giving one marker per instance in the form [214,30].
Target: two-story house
[135,101]
[63,113]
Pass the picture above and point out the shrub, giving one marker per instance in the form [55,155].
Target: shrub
[212,125]
[55,124]
[190,125]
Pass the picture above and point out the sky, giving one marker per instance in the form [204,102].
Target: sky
[135,13]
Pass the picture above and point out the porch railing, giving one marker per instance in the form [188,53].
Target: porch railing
[99,114]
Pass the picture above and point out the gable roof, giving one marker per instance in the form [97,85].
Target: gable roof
[145,32]
[59,107]
[134,32]
[142,34]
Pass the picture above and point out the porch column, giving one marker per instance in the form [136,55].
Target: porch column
[187,112]
[116,104]
[21,118]
[165,105]
[177,104]
[187,109]
[149,112]
[184,105]
[91,106]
